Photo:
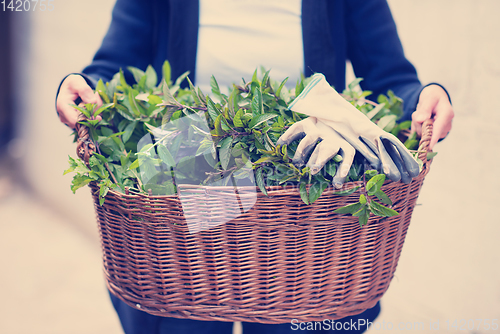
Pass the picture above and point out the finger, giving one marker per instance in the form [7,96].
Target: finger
[323,152]
[347,153]
[388,166]
[423,112]
[79,87]
[305,146]
[67,114]
[99,100]
[442,125]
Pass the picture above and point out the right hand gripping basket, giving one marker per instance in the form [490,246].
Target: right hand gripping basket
[279,261]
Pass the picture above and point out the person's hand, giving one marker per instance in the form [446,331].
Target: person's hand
[433,103]
[72,88]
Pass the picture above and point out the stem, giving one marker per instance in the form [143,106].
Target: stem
[109,171]
[138,180]
[363,188]
[106,164]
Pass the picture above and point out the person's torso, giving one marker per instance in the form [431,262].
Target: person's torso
[237,36]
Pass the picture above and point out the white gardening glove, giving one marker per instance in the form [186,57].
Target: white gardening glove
[311,129]
[320,100]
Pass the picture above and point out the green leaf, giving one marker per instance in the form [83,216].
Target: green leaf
[431,155]
[375,111]
[137,73]
[256,105]
[370,173]
[193,92]
[349,209]
[167,96]
[154,99]
[165,155]
[101,89]
[380,210]
[364,208]
[278,92]
[267,159]
[82,110]
[265,79]
[387,123]
[225,152]
[167,72]
[216,90]
[363,218]
[103,108]
[80,181]
[205,147]
[260,119]
[316,190]
[202,97]
[179,80]
[134,165]
[123,82]
[129,129]
[299,87]
[124,112]
[331,168]
[405,125]
[151,77]
[375,183]
[383,197]
[255,79]
[362,199]
[347,192]
[212,110]
[132,103]
[218,127]
[337,158]
[355,83]
[303,192]
[411,144]
[259,178]
[237,119]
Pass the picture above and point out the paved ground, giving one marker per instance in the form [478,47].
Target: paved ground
[449,270]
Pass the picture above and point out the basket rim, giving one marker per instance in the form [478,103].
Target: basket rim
[271,190]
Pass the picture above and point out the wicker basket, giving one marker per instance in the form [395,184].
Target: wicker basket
[281,260]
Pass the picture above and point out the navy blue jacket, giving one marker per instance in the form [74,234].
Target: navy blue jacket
[362,31]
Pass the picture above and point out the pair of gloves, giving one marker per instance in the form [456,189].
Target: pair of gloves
[343,129]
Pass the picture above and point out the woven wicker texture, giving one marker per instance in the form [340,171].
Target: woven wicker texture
[280,260]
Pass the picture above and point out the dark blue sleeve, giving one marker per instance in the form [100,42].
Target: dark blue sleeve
[128,42]
[377,55]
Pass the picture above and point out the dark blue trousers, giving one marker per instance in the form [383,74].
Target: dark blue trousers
[138,322]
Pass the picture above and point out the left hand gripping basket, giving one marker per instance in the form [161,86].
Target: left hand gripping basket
[279,261]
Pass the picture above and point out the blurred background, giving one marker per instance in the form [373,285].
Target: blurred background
[51,278]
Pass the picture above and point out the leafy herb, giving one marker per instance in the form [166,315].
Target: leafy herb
[154,135]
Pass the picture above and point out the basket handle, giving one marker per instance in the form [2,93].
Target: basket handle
[85,147]
[425,140]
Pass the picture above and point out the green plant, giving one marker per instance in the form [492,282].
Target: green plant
[234,135]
